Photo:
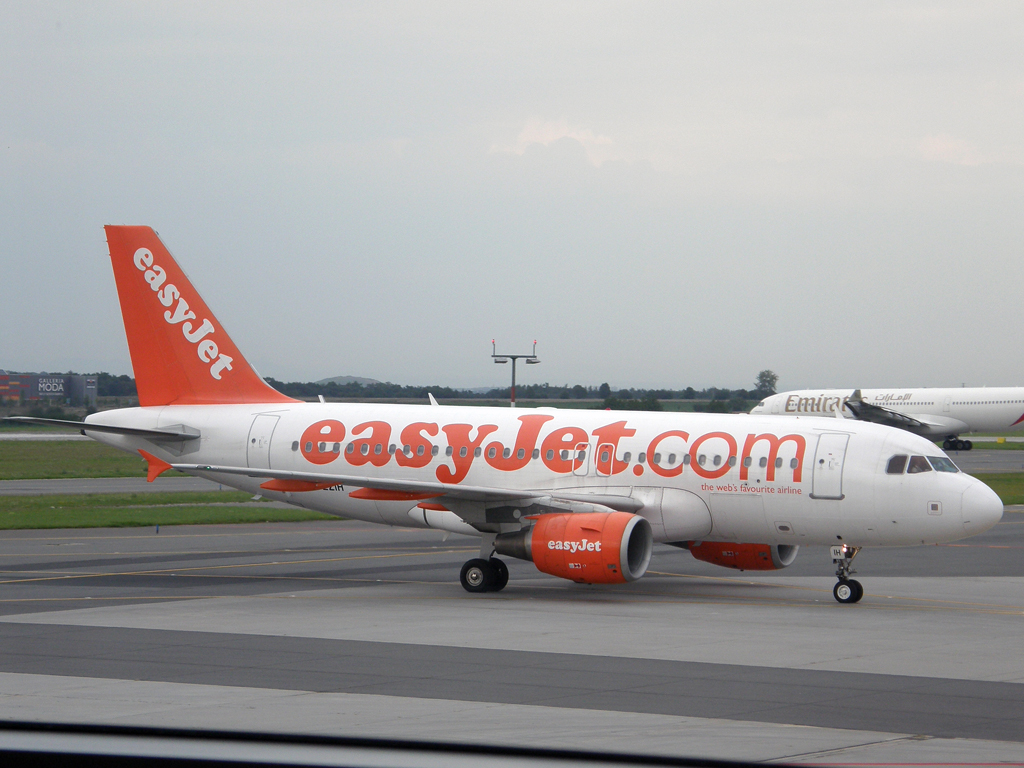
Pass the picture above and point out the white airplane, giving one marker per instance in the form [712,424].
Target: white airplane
[584,495]
[930,412]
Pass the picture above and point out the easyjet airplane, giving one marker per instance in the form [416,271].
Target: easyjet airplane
[584,495]
[929,412]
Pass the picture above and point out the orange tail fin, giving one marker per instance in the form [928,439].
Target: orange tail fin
[180,353]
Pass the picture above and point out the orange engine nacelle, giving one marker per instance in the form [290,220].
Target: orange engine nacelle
[590,548]
[745,557]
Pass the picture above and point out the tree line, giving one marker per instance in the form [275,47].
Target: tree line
[635,398]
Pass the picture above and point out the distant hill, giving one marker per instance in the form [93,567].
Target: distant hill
[340,380]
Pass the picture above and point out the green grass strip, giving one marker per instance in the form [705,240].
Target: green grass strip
[122,510]
[48,459]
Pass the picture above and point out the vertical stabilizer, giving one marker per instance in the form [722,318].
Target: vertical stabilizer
[180,353]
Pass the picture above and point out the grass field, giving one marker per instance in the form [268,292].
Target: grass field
[121,510]
[30,460]
[992,445]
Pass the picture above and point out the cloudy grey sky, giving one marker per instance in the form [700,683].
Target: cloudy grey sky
[662,194]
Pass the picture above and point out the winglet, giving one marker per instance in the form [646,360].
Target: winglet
[432,400]
[156,466]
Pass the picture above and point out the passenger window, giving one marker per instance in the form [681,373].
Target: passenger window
[434,450]
[686,459]
[463,451]
[918,464]
[449,451]
[896,465]
[747,461]
[943,464]
[626,456]
[717,460]
[778,463]
[309,447]
[521,453]
[794,463]
[491,452]
[657,458]
[550,454]
[506,453]
[476,452]
[295,445]
[732,461]
[536,453]
[420,450]
[702,459]
[763,462]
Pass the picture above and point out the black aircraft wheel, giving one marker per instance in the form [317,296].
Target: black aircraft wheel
[500,574]
[858,590]
[968,445]
[477,575]
[847,591]
[947,444]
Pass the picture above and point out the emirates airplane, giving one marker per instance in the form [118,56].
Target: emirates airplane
[584,495]
[932,413]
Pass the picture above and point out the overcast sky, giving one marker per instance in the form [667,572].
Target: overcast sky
[661,194]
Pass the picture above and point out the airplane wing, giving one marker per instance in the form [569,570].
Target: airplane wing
[926,425]
[460,497]
[878,415]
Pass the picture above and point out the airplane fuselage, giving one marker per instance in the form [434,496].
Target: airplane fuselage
[943,411]
[807,481]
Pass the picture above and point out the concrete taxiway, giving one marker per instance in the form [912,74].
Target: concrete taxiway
[346,628]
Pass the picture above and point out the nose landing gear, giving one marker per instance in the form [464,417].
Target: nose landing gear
[847,590]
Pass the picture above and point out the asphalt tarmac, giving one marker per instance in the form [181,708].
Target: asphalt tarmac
[347,628]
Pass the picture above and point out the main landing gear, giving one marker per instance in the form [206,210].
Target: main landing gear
[479,575]
[847,590]
[956,444]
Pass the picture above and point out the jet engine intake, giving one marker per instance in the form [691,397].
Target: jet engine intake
[745,557]
[589,548]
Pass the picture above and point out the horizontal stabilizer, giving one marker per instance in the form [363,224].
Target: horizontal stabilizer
[171,433]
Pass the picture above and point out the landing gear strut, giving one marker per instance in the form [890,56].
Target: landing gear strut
[847,590]
[956,444]
[479,575]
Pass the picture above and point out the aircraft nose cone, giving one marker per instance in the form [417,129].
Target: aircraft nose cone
[981,508]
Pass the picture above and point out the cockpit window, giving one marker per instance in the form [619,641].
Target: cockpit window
[943,464]
[896,465]
[918,464]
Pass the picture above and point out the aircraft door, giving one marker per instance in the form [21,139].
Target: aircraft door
[257,448]
[828,466]
[945,405]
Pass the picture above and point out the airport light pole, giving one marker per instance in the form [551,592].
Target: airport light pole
[531,359]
